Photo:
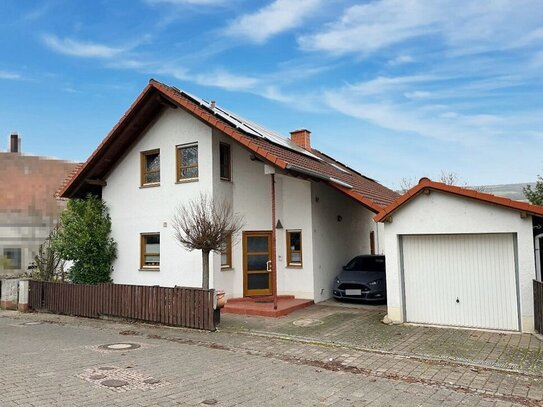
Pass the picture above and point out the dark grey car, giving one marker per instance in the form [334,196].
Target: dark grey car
[363,278]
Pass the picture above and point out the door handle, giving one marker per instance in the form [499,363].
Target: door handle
[268,266]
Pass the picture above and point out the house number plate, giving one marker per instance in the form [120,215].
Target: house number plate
[353,292]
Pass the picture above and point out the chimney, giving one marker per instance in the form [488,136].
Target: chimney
[14,143]
[301,137]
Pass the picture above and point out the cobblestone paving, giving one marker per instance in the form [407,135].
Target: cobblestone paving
[52,364]
[360,327]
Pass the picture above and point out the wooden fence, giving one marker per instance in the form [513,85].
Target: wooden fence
[180,306]
[538,306]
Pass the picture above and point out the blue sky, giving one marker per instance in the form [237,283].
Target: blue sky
[394,88]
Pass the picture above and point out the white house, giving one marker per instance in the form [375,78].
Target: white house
[170,146]
[459,257]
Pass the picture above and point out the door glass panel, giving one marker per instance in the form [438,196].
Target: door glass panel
[258,281]
[257,244]
[257,262]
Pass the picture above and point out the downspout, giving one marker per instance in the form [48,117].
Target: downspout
[274,245]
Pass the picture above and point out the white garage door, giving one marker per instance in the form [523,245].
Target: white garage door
[461,280]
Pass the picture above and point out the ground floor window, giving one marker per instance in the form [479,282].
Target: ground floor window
[294,248]
[12,258]
[226,253]
[150,250]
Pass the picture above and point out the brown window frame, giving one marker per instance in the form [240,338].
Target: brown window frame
[228,253]
[372,242]
[228,166]
[143,168]
[143,253]
[179,167]
[291,263]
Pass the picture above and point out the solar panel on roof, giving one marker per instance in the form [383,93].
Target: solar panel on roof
[252,128]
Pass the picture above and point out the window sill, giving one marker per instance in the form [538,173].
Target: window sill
[227,268]
[155,184]
[295,266]
[184,181]
[149,269]
[226,179]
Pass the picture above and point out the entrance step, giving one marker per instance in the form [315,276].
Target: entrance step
[263,306]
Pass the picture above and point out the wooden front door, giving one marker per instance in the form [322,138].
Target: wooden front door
[257,263]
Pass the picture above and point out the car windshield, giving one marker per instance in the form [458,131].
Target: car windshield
[366,264]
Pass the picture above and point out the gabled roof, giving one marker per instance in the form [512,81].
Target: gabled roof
[427,184]
[265,144]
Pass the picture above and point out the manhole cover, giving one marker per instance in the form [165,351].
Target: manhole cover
[114,383]
[32,323]
[307,322]
[120,346]
[151,381]
[97,376]
[210,402]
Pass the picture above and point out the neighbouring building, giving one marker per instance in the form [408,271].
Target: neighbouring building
[28,206]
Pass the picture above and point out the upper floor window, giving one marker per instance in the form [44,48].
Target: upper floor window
[13,257]
[294,248]
[187,162]
[150,167]
[225,162]
[150,251]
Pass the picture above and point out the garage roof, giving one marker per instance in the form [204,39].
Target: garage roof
[427,184]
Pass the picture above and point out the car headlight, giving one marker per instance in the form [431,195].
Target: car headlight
[375,282]
[337,281]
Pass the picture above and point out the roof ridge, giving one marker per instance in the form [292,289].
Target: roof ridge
[460,191]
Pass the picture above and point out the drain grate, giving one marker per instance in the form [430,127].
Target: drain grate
[120,346]
[120,380]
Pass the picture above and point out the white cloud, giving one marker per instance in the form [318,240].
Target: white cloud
[82,49]
[467,28]
[218,78]
[273,19]
[417,94]
[10,76]
[401,59]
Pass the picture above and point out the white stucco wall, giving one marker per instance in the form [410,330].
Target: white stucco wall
[335,243]
[441,213]
[135,210]
[250,195]
[326,243]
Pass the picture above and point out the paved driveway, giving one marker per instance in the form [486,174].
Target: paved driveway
[61,361]
[359,327]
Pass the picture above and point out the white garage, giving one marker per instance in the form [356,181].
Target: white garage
[467,280]
[456,257]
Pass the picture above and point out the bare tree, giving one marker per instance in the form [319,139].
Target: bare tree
[204,224]
[449,178]
[49,264]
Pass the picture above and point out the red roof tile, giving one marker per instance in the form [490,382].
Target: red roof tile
[364,190]
[427,184]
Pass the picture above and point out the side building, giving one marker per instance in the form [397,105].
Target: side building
[28,206]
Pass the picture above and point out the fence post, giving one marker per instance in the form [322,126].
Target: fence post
[10,287]
[23,296]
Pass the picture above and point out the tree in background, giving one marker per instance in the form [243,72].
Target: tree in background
[49,264]
[535,195]
[84,238]
[447,178]
[204,224]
